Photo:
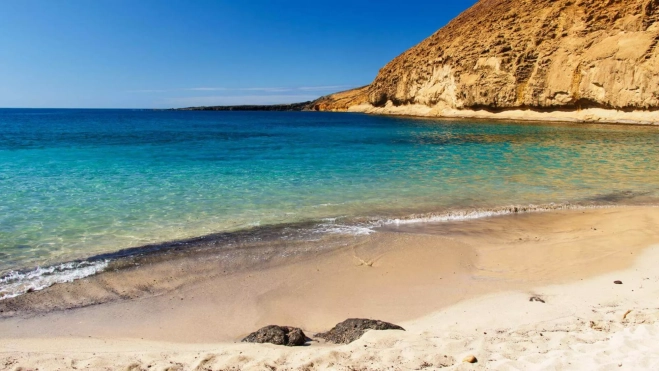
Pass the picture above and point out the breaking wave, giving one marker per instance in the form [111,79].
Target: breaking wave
[16,283]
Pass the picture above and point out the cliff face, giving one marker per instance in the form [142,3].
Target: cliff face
[543,54]
[341,101]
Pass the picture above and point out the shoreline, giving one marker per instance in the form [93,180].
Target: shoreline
[584,116]
[423,277]
[300,232]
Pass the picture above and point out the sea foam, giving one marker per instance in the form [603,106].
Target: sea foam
[16,283]
[369,227]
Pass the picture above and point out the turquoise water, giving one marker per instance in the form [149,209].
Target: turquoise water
[74,183]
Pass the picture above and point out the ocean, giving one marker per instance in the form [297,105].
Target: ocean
[79,188]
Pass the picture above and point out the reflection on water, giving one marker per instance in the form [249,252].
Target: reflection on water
[80,182]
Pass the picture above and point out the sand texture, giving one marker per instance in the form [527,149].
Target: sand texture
[459,289]
[588,115]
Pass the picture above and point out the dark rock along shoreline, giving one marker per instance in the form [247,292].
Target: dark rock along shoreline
[352,329]
[343,333]
[278,335]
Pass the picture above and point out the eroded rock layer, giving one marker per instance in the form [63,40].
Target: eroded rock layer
[342,100]
[541,54]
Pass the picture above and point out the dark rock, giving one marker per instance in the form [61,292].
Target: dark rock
[535,298]
[278,335]
[296,337]
[303,106]
[353,328]
[618,282]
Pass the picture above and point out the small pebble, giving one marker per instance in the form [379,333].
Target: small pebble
[618,282]
[470,359]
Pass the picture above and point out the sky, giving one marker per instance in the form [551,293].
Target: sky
[175,53]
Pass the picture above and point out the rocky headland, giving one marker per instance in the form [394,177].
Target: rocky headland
[252,107]
[584,60]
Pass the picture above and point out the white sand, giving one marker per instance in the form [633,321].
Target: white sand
[593,115]
[581,326]
[590,324]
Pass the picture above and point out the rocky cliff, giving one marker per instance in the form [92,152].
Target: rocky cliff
[528,54]
[341,101]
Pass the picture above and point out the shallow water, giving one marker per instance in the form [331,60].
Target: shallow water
[75,183]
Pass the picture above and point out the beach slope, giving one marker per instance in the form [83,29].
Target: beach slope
[526,291]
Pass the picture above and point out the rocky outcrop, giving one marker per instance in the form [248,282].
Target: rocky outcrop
[519,54]
[353,328]
[341,101]
[278,335]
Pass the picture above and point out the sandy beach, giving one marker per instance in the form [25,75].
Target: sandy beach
[458,288]
[586,115]
[178,192]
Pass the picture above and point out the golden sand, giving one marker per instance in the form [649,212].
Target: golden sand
[459,289]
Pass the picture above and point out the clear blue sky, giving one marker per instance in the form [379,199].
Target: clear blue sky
[171,53]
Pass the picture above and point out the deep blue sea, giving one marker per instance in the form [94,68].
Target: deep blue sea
[75,183]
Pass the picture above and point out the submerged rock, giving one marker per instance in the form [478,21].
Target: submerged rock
[353,328]
[278,335]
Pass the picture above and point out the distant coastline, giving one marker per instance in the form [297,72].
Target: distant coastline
[302,106]
[587,115]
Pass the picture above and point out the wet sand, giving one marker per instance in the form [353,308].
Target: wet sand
[442,281]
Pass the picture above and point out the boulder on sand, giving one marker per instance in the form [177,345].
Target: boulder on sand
[278,335]
[353,328]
